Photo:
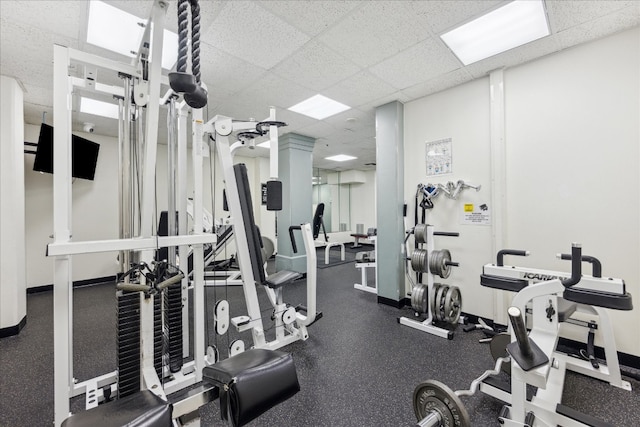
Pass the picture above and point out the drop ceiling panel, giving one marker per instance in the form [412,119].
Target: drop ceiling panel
[416,64]
[442,15]
[439,83]
[359,89]
[618,21]
[272,90]
[565,14]
[311,16]
[316,67]
[376,31]
[246,30]
[46,15]
[225,72]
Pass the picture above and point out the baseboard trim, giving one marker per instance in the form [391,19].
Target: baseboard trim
[573,346]
[13,330]
[76,284]
[393,303]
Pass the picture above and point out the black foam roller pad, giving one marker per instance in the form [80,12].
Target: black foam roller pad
[274,195]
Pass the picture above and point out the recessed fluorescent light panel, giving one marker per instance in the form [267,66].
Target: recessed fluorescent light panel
[265,144]
[512,25]
[119,31]
[98,108]
[340,158]
[319,107]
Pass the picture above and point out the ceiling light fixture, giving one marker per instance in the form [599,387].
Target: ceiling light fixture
[103,18]
[340,158]
[319,107]
[265,144]
[510,26]
[98,108]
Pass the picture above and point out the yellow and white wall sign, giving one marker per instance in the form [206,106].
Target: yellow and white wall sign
[476,214]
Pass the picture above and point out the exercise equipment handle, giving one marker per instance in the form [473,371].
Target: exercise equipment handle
[132,287]
[293,238]
[595,263]
[576,266]
[446,233]
[170,281]
[503,252]
[520,330]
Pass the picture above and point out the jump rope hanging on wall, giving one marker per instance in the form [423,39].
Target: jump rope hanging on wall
[189,84]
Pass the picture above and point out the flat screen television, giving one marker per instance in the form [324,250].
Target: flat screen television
[84,154]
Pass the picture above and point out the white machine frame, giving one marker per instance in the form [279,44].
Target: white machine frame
[363,266]
[222,127]
[63,247]
[546,289]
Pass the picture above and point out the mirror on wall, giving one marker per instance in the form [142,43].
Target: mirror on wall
[336,197]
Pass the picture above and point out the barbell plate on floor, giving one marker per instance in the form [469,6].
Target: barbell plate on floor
[222,317]
[419,298]
[498,348]
[420,233]
[453,305]
[433,396]
[236,347]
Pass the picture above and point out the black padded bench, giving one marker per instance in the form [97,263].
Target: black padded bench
[252,382]
[142,409]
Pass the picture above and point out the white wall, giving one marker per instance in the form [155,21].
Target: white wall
[95,208]
[572,123]
[363,202]
[573,161]
[462,114]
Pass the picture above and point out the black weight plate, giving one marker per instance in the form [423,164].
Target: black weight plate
[433,395]
[498,348]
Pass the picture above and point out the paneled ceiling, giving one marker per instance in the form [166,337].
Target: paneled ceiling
[257,54]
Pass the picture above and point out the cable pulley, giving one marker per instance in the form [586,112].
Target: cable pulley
[263,127]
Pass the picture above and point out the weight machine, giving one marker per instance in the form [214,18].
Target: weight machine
[534,358]
[150,391]
[290,322]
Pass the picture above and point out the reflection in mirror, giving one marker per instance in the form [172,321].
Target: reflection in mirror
[336,197]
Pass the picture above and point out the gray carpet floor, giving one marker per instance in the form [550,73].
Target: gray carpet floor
[358,368]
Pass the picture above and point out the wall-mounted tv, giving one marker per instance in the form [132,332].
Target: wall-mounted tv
[84,154]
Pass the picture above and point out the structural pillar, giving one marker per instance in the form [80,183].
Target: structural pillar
[13,293]
[389,202]
[295,163]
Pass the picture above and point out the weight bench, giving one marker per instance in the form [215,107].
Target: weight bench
[249,384]
[252,382]
[357,237]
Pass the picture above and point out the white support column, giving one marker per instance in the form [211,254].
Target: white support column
[183,250]
[13,300]
[498,180]
[239,232]
[198,149]
[62,295]
[149,378]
